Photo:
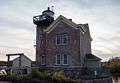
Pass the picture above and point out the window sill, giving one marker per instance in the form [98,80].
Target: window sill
[61,44]
[57,64]
[42,64]
[65,64]
[61,64]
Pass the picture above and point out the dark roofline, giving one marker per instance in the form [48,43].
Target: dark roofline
[22,55]
[91,57]
[15,54]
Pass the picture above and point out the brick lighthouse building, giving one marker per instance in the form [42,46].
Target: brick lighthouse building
[61,43]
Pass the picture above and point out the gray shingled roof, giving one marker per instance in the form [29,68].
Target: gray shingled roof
[91,57]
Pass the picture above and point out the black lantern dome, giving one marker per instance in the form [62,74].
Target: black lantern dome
[46,18]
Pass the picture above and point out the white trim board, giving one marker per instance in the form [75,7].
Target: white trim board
[65,20]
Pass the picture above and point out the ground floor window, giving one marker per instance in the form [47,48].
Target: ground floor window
[42,60]
[61,59]
[58,59]
[65,59]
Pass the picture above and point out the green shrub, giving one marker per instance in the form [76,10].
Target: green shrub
[56,76]
[16,76]
[59,76]
[39,75]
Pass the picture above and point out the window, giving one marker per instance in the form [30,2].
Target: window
[42,60]
[58,58]
[65,57]
[58,39]
[61,39]
[64,39]
[61,59]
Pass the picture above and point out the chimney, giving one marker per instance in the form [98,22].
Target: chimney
[70,19]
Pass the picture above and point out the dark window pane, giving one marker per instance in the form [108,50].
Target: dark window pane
[58,39]
[65,58]
[58,59]
[43,60]
[64,39]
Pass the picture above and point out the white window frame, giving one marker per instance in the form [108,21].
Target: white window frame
[61,59]
[63,36]
[43,63]
[64,59]
[57,38]
[57,60]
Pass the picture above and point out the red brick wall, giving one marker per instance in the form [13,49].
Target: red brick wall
[72,48]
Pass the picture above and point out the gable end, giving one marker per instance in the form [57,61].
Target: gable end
[59,20]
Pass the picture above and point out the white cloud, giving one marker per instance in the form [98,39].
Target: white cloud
[17,29]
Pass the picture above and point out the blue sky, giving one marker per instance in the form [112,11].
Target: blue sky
[17,31]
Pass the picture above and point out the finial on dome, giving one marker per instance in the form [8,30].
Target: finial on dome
[48,8]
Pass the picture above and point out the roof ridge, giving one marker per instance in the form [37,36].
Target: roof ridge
[64,19]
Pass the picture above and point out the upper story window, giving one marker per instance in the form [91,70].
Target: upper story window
[58,39]
[64,39]
[61,39]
